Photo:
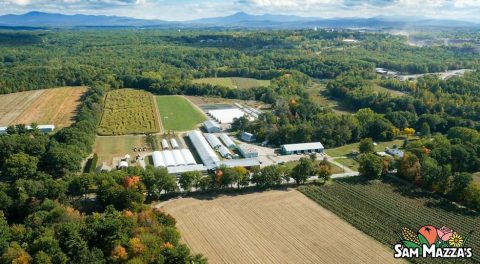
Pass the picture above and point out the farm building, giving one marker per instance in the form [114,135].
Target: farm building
[187,168]
[174,143]
[314,147]
[247,163]
[173,158]
[395,152]
[206,153]
[187,155]
[178,157]
[248,137]
[226,116]
[224,152]
[165,145]
[247,152]
[228,141]
[158,159]
[168,159]
[212,126]
[213,141]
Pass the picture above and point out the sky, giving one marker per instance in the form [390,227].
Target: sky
[177,10]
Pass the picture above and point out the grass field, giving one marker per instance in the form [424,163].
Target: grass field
[234,82]
[347,149]
[129,111]
[271,227]
[178,114]
[118,146]
[316,93]
[380,209]
[381,89]
[51,106]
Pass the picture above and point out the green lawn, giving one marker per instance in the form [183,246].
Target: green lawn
[382,89]
[108,148]
[347,149]
[234,82]
[178,114]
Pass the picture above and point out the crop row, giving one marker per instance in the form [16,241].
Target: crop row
[379,210]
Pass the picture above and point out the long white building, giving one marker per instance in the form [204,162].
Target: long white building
[213,141]
[173,158]
[206,153]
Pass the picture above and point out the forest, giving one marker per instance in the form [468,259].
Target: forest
[47,214]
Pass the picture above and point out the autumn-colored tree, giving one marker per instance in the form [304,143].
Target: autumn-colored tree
[410,167]
[119,253]
[136,246]
[130,181]
[408,131]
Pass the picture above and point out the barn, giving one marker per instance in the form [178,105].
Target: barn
[212,126]
[302,148]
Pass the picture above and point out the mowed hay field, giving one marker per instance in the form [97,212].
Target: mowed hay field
[178,114]
[129,111]
[56,106]
[234,82]
[271,227]
[108,148]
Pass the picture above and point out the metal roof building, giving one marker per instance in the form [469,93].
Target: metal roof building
[213,141]
[158,159]
[247,152]
[178,157]
[248,137]
[182,169]
[168,159]
[187,155]
[226,116]
[165,144]
[313,147]
[252,162]
[174,143]
[227,141]
[212,126]
[224,152]
[206,153]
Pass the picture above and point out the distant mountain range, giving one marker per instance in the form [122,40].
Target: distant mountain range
[49,20]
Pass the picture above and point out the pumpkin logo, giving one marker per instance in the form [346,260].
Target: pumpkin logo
[432,242]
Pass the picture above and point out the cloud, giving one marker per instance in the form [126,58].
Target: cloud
[192,9]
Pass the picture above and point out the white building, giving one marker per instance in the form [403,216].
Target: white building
[302,148]
[212,126]
[213,141]
[165,145]
[228,141]
[168,159]
[206,153]
[225,152]
[158,159]
[226,116]
[178,157]
[174,143]
[188,157]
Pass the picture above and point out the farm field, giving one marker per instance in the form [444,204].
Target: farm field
[316,95]
[382,89]
[56,106]
[234,82]
[381,208]
[178,114]
[129,111]
[108,148]
[271,227]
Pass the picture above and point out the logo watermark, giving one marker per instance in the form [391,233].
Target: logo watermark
[432,242]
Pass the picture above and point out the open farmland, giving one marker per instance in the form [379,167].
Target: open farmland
[234,82]
[178,114]
[108,148]
[51,106]
[129,111]
[271,227]
[381,208]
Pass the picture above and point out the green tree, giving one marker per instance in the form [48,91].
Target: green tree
[425,129]
[20,166]
[366,146]
[189,180]
[304,169]
[371,166]
[459,184]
